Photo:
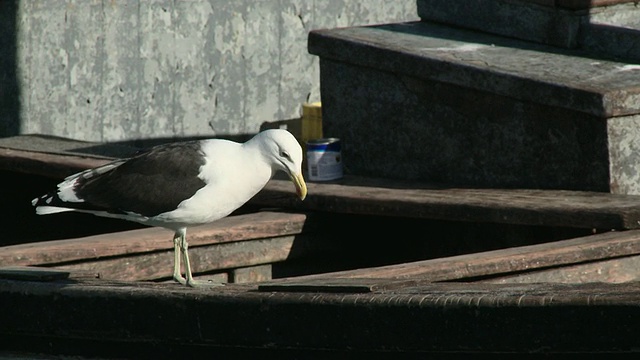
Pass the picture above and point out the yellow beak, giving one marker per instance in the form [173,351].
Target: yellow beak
[301,186]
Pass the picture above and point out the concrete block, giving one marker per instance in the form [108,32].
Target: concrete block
[612,30]
[608,27]
[519,19]
[428,102]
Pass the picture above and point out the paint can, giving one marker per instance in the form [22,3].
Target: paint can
[324,159]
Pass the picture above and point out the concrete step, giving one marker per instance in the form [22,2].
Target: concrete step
[567,78]
[431,102]
[604,26]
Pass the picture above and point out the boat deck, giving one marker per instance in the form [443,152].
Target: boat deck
[374,267]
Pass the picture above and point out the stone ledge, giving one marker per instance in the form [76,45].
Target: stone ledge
[532,72]
[607,27]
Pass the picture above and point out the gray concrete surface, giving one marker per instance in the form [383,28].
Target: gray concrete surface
[435,103]
[102,70]
[609,30]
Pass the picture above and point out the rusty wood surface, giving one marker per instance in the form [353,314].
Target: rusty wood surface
[615,270]
[514,206]
[252,274]
[31,273]
[337,284]
[439,317]
[233,228]
[205,258]
[600,247]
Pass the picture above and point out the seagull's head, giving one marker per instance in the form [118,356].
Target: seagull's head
[284,152]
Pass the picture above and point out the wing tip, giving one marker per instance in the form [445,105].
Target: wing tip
[46,210]
[43,205]
[44,199]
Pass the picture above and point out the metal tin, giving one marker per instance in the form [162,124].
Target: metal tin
[324,159]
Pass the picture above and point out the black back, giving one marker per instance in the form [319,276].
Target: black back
[149,184]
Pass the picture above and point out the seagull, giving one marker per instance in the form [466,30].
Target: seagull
[179,185]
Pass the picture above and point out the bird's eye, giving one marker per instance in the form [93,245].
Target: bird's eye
[284,154]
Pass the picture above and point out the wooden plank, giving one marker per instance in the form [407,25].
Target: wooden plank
[204,258]
[368,196]
[232,228]
[439,317]
[356,195]
[44,164]
[31,273]
[491,263]
[217,278]
[616,270]
[252,274]
[330,284]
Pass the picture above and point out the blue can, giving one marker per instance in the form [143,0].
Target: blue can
[324,159]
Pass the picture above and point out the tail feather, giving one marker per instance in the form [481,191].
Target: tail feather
[43,205]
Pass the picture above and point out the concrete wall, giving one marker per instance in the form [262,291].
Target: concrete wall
[109,70]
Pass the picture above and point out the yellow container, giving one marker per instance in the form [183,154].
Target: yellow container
[311,127]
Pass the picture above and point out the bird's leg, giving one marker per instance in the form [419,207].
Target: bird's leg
[184,247]
[184,250]
[177,254]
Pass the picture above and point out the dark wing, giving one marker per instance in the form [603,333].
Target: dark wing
[149,184]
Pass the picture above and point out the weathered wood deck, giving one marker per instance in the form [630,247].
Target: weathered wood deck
[147,254]
[122,318]
[577,292]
